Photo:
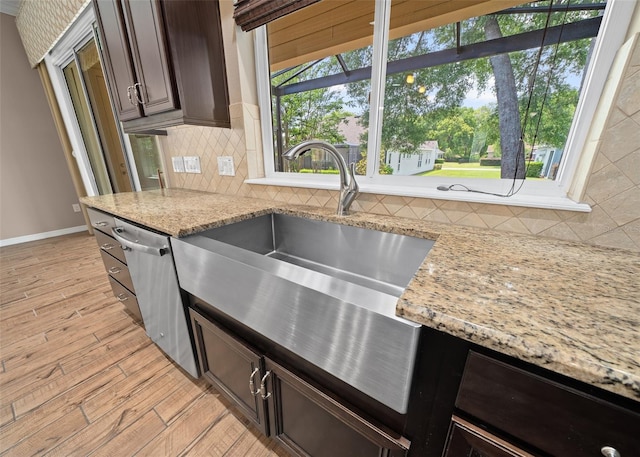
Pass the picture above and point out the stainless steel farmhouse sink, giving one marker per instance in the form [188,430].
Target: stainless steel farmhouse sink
[325,291]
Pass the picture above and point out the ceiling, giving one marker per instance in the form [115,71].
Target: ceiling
[331,27]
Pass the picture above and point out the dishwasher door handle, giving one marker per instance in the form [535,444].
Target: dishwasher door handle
[118,234]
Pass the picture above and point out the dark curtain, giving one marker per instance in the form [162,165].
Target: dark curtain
[250,14]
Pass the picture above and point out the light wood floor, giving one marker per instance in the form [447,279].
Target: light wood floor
[79,377]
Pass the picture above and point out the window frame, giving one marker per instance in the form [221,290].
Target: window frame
[538,194]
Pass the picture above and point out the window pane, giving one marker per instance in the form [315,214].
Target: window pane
[323,92]
[147,158]
[456,103]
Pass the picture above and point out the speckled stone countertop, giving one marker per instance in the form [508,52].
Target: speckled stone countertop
[569,307]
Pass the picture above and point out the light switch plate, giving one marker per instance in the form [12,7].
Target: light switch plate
[225,166]
[178,164]
[192,164]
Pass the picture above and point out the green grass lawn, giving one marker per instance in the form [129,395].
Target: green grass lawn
[465,170]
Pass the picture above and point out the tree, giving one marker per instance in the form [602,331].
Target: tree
[520,83]
[513,165]
[454,131]
[312,114]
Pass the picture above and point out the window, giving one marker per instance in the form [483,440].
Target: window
[427,74]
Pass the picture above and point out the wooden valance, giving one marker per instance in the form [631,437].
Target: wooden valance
[250,14]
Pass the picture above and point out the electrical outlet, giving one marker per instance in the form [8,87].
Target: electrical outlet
[225,166]
[178,164]
[192,164]
[76,207]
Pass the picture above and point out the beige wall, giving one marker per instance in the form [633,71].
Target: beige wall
[612,185]
[36,190]
[42,22]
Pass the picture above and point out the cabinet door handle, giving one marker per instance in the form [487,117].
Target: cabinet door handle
[115,270]
[130,97]
[122,297]
[263,388]
[101,224]
[138,89]
[107,247]
[252,388]
[609,451]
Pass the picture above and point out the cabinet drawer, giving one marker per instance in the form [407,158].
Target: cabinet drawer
[468,439]
[126,297]
[117,270]
[551,417]
[109,245]
[101,221]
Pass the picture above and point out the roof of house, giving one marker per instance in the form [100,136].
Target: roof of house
[351,129]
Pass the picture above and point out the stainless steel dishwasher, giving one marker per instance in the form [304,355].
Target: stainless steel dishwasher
[154,278]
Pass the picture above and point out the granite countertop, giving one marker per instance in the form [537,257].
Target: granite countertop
[569,307]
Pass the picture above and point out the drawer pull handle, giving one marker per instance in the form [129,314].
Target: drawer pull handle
[263,388]
[122,297]
[101,224]
[115,270]
[252,388]
[107,247]
[609,451]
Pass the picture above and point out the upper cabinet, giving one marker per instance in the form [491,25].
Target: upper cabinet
[164,61]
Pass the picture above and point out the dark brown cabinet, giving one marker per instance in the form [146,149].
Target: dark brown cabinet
[232,367]
[311,423]
[114,262]
[164,62]
[306,420]
[539,415]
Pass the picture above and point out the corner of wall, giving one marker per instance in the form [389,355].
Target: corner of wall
[605,114]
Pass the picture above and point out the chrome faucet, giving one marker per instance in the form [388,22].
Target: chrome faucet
[348,185]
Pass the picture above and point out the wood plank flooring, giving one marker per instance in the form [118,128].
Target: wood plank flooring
[79,377]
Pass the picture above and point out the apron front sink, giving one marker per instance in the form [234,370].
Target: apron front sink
[325,291]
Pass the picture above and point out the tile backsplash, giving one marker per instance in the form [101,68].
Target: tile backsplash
[612,189]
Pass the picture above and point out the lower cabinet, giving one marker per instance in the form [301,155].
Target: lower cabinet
[232,367]
[306,420]
[543,416]
[115,262]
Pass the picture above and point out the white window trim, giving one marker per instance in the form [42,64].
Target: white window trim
[536,194]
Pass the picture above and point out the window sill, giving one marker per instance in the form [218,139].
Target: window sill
[544,195]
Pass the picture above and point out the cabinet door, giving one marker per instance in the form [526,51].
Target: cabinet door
[466,440]
[231,366]
[117,58]
[155,88]
[309,422]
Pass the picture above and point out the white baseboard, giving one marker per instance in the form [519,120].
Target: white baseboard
[42,236]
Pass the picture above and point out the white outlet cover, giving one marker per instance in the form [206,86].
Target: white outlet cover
[178,164]
[192,164]
[225,166]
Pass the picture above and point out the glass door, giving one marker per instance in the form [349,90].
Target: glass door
[90,137]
